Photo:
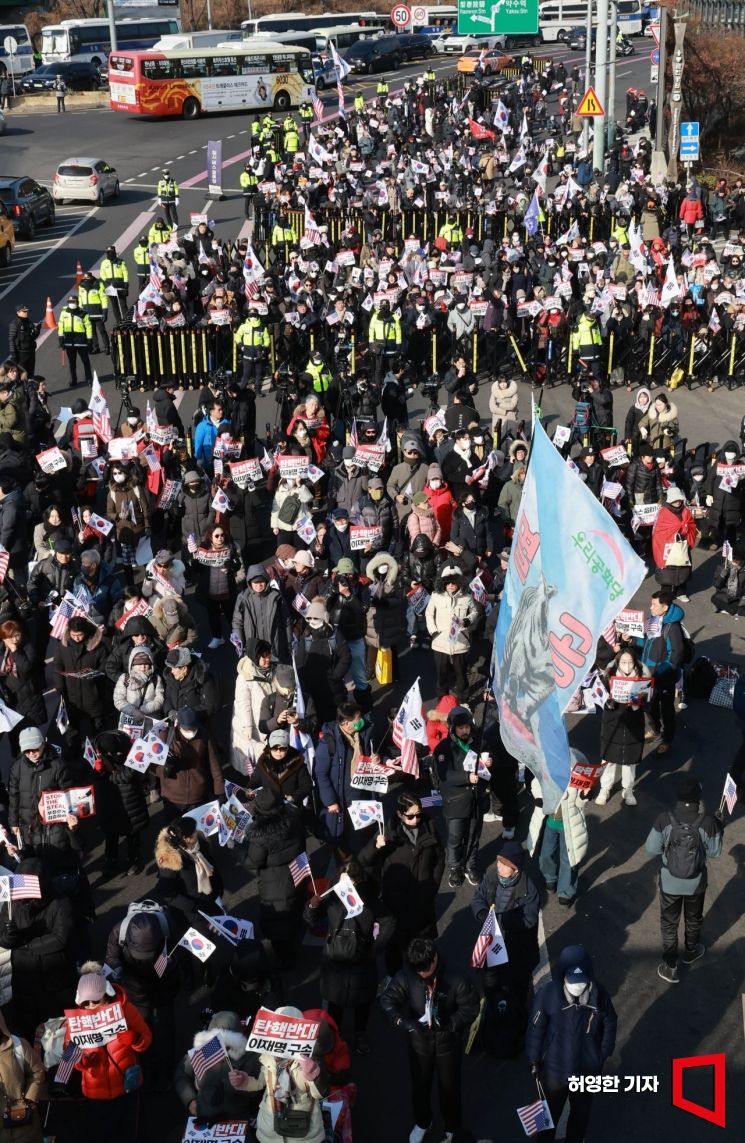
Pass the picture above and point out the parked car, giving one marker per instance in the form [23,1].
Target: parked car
[518,40]
[91,180]
[416,47]
[81,76]
[493,61]
[381,53]
[7,237]
[28,203]
[455,45]
[324,73]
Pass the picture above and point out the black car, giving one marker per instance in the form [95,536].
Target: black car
[382,53]
[416,47]
[28,203]
[82,76]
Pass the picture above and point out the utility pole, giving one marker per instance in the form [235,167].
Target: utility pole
[601,85]
[588,74]
[611,107]
[680,23]
[112,24]
[659,134]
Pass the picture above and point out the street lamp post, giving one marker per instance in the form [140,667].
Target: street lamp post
[680,23]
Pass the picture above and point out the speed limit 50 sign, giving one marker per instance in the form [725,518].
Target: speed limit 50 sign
[401,16]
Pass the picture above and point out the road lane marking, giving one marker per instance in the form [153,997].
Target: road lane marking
[52,249]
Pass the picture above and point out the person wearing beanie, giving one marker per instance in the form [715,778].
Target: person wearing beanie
[348,483]
[261,612]
[441,500]
[347,600]
[281,768]
[465,795]
[110,1074]
[213,1098]
[97,579]
[250,981]
[376,510]
[663,653]
[729,581]
[127,506]
[451,614]
[643,481]
[188,879]
[121,805]
[685,839]
[191,774]
[38,767]
[138,692]
[302,577]
[511,892]
[132,631]
[276,838]
[50,579]
[196,509]
[323,660]
[672,558]
[422,520]
[173,622]
[79,660]
[188,681]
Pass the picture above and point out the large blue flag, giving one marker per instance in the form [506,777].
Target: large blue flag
[570,572]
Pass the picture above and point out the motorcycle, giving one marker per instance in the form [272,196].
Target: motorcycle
[624,46]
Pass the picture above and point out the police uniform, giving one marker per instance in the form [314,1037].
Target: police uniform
[249,184]
[384,336]
[114,277]
[75,334]
[306,118]
[252,337]
[167,193]
[141,255]
[93,301]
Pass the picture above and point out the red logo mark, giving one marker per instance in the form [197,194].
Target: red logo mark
[715,1115]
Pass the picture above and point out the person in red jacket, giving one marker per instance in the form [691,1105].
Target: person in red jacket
[673,522]
[111,1076]
[441,499]
[691,210]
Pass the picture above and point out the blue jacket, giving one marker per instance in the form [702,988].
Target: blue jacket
[205,436]
[332,766]
[664,652]
[567,1038]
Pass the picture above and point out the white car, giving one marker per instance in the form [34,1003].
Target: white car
[90,180]
[456,45]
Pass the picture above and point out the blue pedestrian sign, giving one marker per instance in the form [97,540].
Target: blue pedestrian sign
[689,142]
[655,57]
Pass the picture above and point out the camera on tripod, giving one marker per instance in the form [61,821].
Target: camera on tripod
[125,385]
[431,388]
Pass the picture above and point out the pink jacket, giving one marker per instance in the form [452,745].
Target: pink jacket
[422,520]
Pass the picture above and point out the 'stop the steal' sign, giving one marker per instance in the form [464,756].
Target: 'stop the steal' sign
[283,1036]
[94,1029]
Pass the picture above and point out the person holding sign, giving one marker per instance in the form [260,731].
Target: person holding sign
[79,660]
[38,768]
[673,536]
[628,682]
[349,974]
[464,781]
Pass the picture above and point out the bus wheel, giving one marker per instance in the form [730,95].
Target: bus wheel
[282,101]
[190,110]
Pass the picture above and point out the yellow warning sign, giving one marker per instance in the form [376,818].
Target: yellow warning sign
[590,104]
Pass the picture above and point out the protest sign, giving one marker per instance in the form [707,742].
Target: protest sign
[630,622]
[370,456]
[228,1131]
[123,448]
[363,537]
[292,467]
[584,775]
[626,690]
[57,805]
[94,1029]
[51,460]
[371,775]
[168,493]
[243,472]
[285,1036]
[614,457]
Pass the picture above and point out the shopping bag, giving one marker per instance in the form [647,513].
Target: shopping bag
[384,666]
[144,552]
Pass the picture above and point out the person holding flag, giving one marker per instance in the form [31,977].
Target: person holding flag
[341,744]
[571,1032]
[349,973]
[408,861]
[202,1079]
[464,783]
[276,838]
[282,769]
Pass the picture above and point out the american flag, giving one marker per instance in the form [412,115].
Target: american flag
[408,729]
[161,963]
[156,278]
[484,940]
[610,633]
[25,887]
[102,425]
[535,1117]
[340,91]
[62,616]
[70,1057]
[318,107]
[433,799]
[300,868]
[232,788]
[312,233]
[4,561]
[210,1055]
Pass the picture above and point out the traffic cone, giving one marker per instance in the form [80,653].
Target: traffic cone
[79,272]
[50,320]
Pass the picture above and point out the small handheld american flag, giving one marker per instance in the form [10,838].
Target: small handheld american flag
[25,887]
[318,107]
[300,868]
[210,1055]
[484,940]
[535,1117]
[4,561]
[70,1057]
[161,963]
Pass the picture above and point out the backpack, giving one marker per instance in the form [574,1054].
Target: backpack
[701,679]
[152,909]
[347,944]
[582,415]
[289,509]
[684,852]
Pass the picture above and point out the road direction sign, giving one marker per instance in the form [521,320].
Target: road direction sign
[401,16]
[497,17]
[689,142]
[655,57]
[590,104]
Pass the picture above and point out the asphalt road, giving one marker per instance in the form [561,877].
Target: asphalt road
[616,911]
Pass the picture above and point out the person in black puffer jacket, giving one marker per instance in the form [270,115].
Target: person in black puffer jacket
[121,805]
[349,974]
[79,660]
[277,838]
[282,769]
[39,767]
[134,945]
[188,681]
[40,939]
[20,688]
[187,877]
[213,1098]
[643,482]
[137,632]
[196,509]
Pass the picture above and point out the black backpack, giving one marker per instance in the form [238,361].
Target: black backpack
[289,509]
[684,852]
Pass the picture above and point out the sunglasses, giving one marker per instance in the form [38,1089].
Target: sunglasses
[412,817]
[282,748]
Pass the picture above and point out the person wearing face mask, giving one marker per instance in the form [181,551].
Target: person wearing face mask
[75,335]
[508,889]
[347,601]
[127,506]
[343,741]
[386,614]
[348,483]
[729,581]
[458,465]
[723,505]
[323,660]
[451,613]
[192,774]
[433,1006]
[187,877]
[470,534]
[442,500]
[337,541]
[254,683]
[212,1098]
[571,1032]
[464,796]
[408,477]
[674,523]
[262,613]
[291,501]
[138,693]
[377,511]
[79,660]
[622,729]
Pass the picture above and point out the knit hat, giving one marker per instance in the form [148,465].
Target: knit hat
[375,482]
[304,558]
[512,853]
[92,985]
[178,657]
[344,566]
[688,790]
[225,1022]
[674,495]
[316,610]
[266,801]
[434,472]
[279,738]
[30,739]
[169,607]
[192,477]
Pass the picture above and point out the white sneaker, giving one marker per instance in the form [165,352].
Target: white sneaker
[602,798]
[492,817]
[684,598]
[214,643]
[629,797]
[418,1133]
[508,833]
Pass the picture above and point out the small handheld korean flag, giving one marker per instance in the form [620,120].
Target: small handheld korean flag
[197,945]
[349,897]
[63,722]
[89,753]
[364,814]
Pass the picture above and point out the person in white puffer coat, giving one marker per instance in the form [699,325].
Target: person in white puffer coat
[254,682]
[503,402]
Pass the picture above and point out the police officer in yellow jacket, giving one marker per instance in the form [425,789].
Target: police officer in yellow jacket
[252,339]
[141,255]
[321,378]
[586,339]
[384,336]
[160,231]
[114,277]
[359,103]
[452,232]
[167,194]
[283,237]
[249,185]
[382,88]
[306,118]
[291,143]
[75,335]
[93,301]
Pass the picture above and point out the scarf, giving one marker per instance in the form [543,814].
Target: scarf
[204,870]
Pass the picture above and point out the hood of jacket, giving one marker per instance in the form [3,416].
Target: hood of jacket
[143,650]
[730,446]
[89,644]
[640,393]
[233,1042]
[383,558]
[166,855]
[674,614]
[139,625]
[249,671]
[518,444]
